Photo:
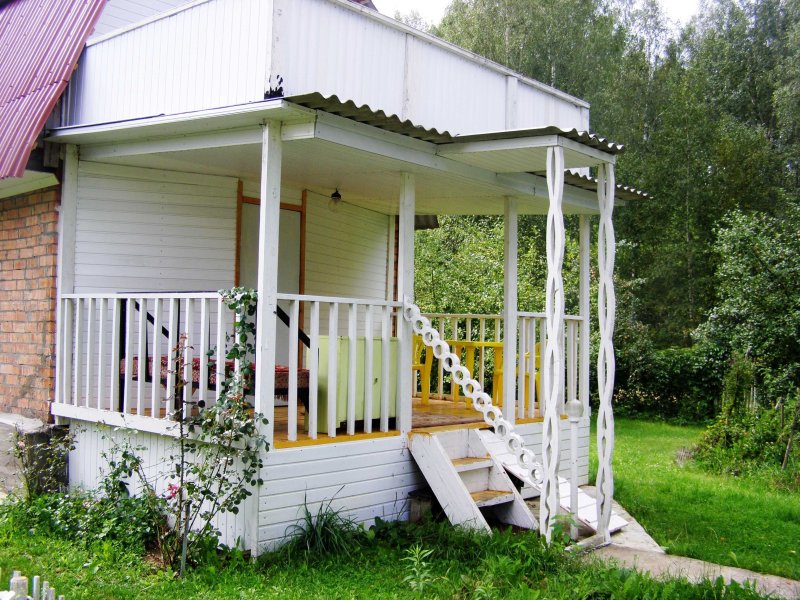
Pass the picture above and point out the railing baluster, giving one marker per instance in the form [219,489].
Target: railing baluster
[142,353]
[368,368]
[172,353]
[114,374]
[520,362]
[67,343]
[126,390]
[204,332]
[482,333]
[294,328]
[385,357]
[441,368]
[90,349]
[333,365]
[572,361]
[352,340]
[78,351]
[101,351]
[531,337]
[542,382]
[220,365]
[155,383]
[188,375]
[313,371]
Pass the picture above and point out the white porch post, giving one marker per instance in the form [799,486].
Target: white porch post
[405,291]
[65,278]
[553,364]
[268,228]
[585,242]
[606,309]
[510,243]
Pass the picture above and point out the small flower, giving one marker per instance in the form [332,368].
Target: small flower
[172,490]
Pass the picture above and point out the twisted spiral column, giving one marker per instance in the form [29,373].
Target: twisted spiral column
[553,385]
[606,308]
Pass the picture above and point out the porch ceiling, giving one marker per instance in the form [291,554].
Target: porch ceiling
[323,152]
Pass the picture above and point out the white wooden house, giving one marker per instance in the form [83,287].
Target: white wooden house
[204,147]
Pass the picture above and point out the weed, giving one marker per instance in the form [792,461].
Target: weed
[327,532]
[418,570]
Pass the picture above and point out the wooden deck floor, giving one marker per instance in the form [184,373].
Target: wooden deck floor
[437,413]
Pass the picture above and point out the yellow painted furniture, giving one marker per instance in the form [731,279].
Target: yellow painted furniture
[470,350]
[497,388]
[423,367]
[342,372]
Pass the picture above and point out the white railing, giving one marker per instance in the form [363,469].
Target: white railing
[117,352]
[352,380]
[335,357]
[477,340]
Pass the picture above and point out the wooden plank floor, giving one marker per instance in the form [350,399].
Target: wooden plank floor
[436,413]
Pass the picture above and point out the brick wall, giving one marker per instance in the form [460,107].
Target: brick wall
[28,250]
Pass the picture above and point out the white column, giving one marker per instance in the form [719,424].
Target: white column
[65,277]
[269,220]
[606,313]
[510,244]
[553,363]
[585,241]
[405,291]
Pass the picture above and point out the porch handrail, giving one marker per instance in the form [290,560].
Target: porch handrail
[481,401]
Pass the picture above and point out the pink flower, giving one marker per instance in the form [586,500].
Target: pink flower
[172,490]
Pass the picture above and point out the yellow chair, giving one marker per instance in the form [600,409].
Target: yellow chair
[423,367]
[497,387]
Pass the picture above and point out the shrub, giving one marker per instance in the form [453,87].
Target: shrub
[682,384]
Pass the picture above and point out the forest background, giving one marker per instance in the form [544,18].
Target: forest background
[708,264]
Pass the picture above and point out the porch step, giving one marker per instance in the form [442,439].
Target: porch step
[587,506]
[472,463]
[468,483]
[491,497]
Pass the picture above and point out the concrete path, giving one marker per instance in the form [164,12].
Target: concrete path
[633,547]
[661,565]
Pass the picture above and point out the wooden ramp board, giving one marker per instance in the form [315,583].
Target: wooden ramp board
[587,506]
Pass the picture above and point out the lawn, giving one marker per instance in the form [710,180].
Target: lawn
[737,521]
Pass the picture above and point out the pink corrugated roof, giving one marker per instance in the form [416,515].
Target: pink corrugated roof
[40,42]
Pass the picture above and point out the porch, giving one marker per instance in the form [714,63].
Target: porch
[140,360]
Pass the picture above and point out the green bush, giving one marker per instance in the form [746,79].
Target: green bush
[677,384]
[86,518]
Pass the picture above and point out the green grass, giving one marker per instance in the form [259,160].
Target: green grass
[740,522]
[386,564]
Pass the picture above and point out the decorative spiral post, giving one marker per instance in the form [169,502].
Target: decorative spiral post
[553,389]
[606,308]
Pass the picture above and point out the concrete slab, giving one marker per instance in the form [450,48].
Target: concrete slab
[662,565]
[9,479]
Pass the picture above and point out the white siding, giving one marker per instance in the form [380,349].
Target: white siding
[147,230]
[363,480]
[210,55]
[218,53]
[346,251]
[87,465]
[122,13]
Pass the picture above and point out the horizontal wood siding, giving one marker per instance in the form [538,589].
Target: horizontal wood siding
[88,464]
[149,230]
[363,480]
[532,434]
[345,251]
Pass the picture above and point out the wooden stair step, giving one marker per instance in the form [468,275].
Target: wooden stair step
[472,463]
[492,497]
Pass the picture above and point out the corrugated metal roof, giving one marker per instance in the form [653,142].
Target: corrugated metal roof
[365,114]
[40,42]
[586,138]
[624,192]
[393,123]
